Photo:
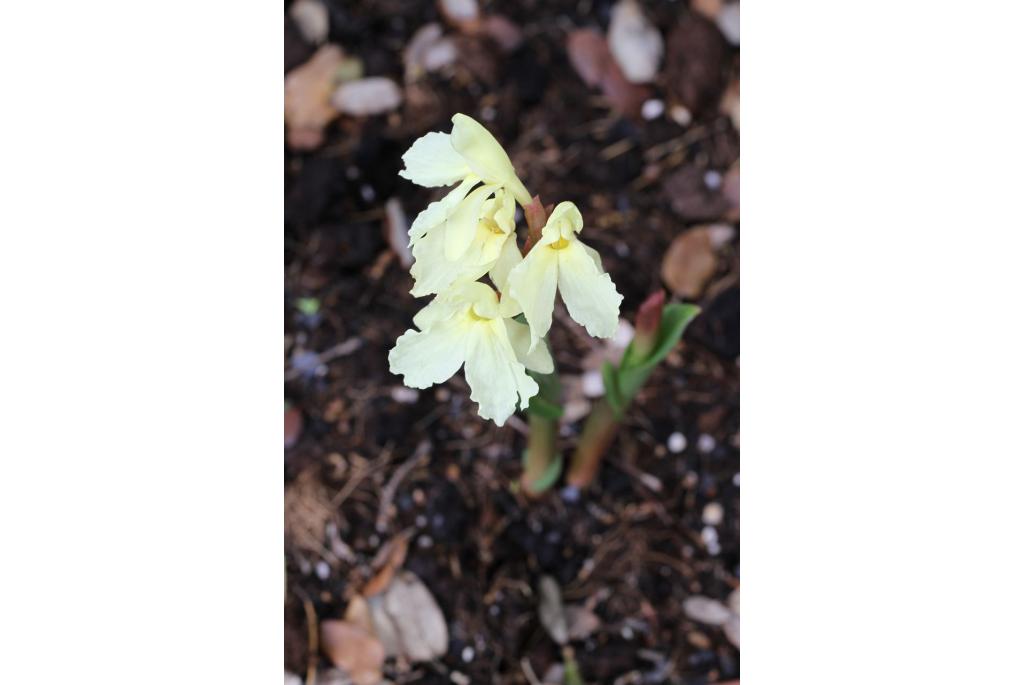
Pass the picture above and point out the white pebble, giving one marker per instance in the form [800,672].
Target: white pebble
[680,115]
[652,109]
[712,179]
[713,513]
[404,395]
[728,21]
[736,479]
[706,443]
[593,384]
[467,654]
[710,537]
[322,570]
[676,443]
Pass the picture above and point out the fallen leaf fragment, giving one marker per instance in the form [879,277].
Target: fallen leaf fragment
[292,426]
[396,226]
[353,649]
[388,560]
[503,31]
[367,96]
[593,61]
[551,610]
[695,64]
[691,260]
[588,54]
[581,622]
[307,98]
[730,105]
[696,194]
[635,42]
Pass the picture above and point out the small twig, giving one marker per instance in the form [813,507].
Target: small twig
[531,676]
[387,495]
[314,640]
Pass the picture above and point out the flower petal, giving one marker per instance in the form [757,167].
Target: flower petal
[461,226]
[532,285]
[432,356]
[433,161]
[434,273]
[508,258]
[588,292]
[564,222]
[437,212]
[437,310]
[485,156]
[519,336]
[498,381]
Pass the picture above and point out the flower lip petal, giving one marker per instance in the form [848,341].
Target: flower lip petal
[485,156]
[433,161]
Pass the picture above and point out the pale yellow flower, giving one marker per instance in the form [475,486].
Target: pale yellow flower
[560,260]
[494,237]
[469,155]
[464,326]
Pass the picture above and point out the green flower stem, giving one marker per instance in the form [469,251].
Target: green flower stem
[542,460]
[659,328]
[541,453]
[598,433]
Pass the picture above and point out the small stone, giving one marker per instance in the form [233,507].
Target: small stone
[680,115]
[728,21]
[460,11]
[706,610]
[710,537]
[732,630]
[459,678]
[404,395]
[468,654]
[367,96]
[593,384]
[635,42]
[311,18]
[706,443]
[713,513]
[652,109]
[676,443]
[323,571]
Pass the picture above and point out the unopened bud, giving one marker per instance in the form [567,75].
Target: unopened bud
[648,320]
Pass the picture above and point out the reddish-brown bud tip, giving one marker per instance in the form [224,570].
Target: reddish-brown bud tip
[648,319]
[536,217]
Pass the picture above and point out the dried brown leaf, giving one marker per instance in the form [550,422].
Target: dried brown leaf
[352,648]
[307,98]
[388,560]
[690,261]
[695,64]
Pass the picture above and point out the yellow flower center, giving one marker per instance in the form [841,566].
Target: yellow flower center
[475,316]
[560,245]
[492,225]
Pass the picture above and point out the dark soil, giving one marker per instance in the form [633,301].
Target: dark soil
[633,544]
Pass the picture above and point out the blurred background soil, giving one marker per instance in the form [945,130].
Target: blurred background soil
[648,559]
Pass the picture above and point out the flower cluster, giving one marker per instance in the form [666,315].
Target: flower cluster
[471,233]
